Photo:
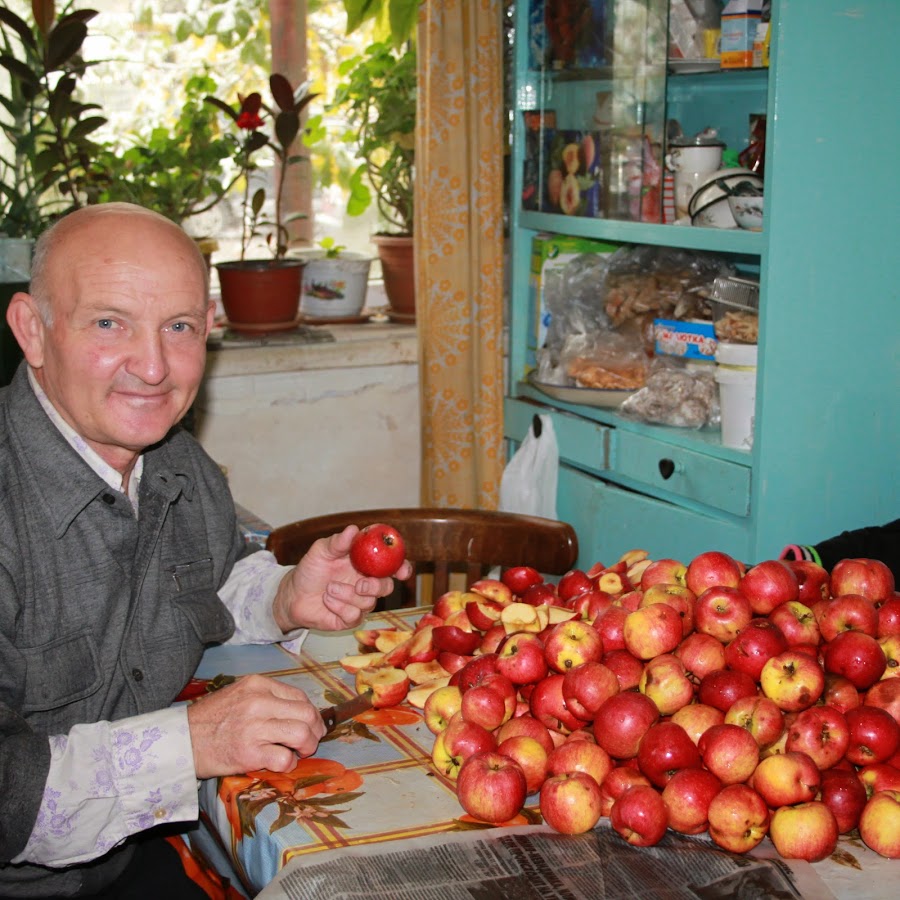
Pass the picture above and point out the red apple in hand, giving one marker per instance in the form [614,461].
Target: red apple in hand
[377,551]
[570,802]
[640,816]
[491,787]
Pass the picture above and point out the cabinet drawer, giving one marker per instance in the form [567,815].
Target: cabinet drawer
[610,520]
[581,442]
[695,476]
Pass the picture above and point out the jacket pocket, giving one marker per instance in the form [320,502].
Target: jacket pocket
[195,596]
[61,671]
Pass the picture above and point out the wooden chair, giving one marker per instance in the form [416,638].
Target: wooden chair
[444,541]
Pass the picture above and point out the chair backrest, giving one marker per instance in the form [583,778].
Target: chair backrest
[443,541]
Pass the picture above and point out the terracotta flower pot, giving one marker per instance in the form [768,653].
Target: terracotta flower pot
[398,269]
[261,295]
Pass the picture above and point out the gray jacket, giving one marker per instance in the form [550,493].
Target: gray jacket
[102,615]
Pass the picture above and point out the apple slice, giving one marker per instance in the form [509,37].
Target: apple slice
[387,639]
[613,583]
[389,685]
[454,639]
[354,663]
[429,619]
[493,589]
[421,645]
[559,614]
[484,612]
[449,603]
[366,637]
[459,619]
[422,672]
[521,617]
[421,692]
[636,570]
[630,557]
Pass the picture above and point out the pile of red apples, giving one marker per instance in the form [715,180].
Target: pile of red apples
[707,697]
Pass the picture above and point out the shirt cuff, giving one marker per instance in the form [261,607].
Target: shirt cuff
[249,593]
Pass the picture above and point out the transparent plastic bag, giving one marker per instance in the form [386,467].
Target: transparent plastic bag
[659,281]
[605,360]
[675,395]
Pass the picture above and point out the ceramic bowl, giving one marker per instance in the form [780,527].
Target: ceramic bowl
[747,211]
[709,203]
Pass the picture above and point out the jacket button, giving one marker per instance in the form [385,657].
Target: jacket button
[137,674]
[108,499]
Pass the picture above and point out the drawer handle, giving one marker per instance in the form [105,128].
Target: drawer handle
[666,468]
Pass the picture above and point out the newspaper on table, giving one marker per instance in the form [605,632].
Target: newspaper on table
[536,863]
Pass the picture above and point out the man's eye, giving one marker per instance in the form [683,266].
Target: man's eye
[105,323]
[180,327]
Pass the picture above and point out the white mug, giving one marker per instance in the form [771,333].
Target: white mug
[692,166]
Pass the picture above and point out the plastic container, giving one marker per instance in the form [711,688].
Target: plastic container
[736,377]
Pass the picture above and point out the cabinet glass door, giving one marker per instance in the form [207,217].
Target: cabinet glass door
[592,102]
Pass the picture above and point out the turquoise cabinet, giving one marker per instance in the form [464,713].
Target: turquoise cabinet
[826,441]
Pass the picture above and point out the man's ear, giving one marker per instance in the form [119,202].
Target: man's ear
[28,327]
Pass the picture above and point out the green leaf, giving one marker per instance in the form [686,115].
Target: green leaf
[11,20]
[257,201]
[403,16]
[63,42]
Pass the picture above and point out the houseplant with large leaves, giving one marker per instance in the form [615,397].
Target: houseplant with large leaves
[264,294]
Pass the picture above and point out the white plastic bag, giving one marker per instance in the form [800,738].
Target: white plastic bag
[528,484]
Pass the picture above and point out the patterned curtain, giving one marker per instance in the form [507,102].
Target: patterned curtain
[459,250]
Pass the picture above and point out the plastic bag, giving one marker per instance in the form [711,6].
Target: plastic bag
[607,360]
[528,483]
[675,395]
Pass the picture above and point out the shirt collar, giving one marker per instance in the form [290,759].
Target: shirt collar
[83,449]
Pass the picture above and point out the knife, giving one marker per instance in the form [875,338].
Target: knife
[334,715]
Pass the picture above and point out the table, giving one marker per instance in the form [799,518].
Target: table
[372,781]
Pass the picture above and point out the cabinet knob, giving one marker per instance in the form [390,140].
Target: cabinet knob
[666,468]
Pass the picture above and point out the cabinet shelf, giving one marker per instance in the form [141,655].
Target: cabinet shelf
[718,240]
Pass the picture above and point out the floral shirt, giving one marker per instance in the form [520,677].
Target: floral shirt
[109,780]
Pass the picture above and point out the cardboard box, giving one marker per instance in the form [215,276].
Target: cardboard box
[550,252]
[687,340]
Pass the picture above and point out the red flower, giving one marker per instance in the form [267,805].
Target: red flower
[249,117]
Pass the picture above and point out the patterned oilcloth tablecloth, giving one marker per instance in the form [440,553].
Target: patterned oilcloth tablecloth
[371,779]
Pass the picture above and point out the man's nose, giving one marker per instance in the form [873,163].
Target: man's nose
[148,359]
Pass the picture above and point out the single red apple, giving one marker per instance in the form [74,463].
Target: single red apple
[879,824]
[721,688]
[822,732]
[848,612]
[730,752]
[806,831]
[769,584]
[738,818]
[640,816]
[573,583]
[519,578]
[874,736]
[813,581]
[491,787]
[626,667]
[722,612]
[797,623]
[377,551]
[585,688]
[664,749]
[713,569]
[687,797]
[696,718]
[889,617]
[784,779]
[886,695]
[753,646]
[843,793]
[622,721]
[856,656]
[869,577]
[611,627]
[549,706]
[570,802]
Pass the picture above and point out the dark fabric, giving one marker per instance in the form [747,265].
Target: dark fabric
[877,542]
[102,615]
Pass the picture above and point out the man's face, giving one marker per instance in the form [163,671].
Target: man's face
[123,357]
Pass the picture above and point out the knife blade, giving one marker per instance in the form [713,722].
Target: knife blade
[334,715]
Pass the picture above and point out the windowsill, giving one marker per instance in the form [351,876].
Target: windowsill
[353,346]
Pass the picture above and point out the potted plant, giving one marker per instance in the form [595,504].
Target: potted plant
[178,168]
[378,99]
[335,281]
[264,294]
